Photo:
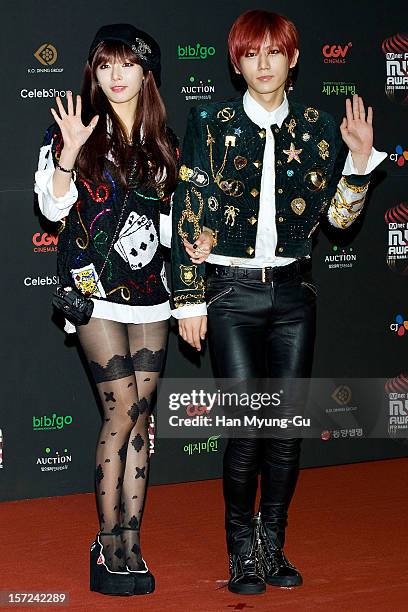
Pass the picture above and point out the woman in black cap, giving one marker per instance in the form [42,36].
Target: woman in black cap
[106,171]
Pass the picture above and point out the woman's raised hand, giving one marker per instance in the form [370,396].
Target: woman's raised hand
[73,131]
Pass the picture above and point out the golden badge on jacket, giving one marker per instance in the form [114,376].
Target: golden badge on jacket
[226,114]
[323,147]
[315,179]
[188,274]
[240,162]
[298,205]
[311,114]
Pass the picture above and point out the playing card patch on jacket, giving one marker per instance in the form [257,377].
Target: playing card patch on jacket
[138,241]
[87,282]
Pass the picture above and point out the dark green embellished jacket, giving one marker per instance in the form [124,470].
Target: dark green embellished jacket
[220,183]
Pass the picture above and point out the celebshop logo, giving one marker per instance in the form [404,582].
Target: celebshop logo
[40,281]
[28,94]
[400,157]
[335,54]
[194,52]
[400,326]
[44,243]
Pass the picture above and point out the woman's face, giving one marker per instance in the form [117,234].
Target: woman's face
[120,80]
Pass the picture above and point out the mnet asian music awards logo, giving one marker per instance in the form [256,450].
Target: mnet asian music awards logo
[198,89]
[46,56]
[395,49]
[335,54]
[54,460]
[341,258]
[396,219]
[194,52]
[44,243]
[399,325]
[398,414]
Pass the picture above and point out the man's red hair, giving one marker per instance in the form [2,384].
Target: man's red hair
[251,28]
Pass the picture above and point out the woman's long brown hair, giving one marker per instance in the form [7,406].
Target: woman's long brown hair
[154,152]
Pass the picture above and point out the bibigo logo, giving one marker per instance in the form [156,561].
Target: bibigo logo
[194,52]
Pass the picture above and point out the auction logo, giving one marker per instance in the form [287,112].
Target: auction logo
[396,219]
[54,461]
[44,423]
[400,326]
[338,87]
[44,243]
[335,54]
[46,54]
[395,49]
[340,258]
[198,89]
[194,52]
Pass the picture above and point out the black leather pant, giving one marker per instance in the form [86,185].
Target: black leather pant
[258,330]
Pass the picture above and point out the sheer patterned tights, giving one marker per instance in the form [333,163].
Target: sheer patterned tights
[125,361]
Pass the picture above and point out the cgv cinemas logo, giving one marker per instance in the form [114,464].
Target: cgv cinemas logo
[44,243]
[335,54]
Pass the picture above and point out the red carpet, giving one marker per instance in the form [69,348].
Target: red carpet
[348,534]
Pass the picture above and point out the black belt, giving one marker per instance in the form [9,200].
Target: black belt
[277,274]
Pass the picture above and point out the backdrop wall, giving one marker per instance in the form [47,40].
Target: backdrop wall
[48,414]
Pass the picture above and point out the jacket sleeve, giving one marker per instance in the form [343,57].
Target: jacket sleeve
[347,193]
[189,202]
[55,209]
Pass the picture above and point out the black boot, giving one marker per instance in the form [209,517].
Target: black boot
[144,581]
[246,575]
[102,578]
[277,569]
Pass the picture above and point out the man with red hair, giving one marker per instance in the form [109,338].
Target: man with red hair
[260,171]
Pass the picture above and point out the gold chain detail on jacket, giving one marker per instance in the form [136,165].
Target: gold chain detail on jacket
[354,188]
[210,142]
[189,215]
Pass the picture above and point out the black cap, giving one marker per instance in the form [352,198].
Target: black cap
[141,43]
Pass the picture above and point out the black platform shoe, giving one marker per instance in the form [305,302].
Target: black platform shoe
[246,575]
[104,580]
[278,571]
[144,581]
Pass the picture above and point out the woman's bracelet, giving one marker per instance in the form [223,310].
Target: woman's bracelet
[71,171]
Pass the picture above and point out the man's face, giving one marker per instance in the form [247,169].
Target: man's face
[265,71]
